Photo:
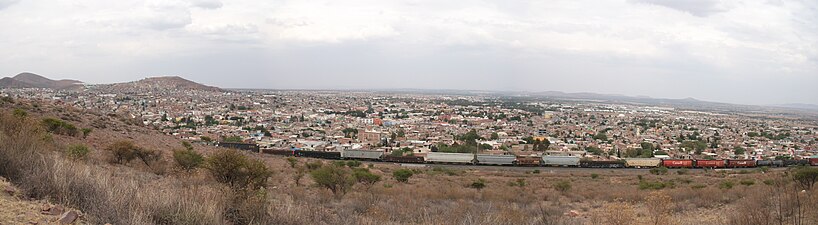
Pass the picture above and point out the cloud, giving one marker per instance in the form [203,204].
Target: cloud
[6,3]
[207,4]
[701,8]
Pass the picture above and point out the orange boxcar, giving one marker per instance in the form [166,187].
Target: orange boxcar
[677,163]
[710,163]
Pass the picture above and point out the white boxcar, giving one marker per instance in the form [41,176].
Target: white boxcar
[442,157]
[642,162]
[553,160]
[487,159]
[361,154]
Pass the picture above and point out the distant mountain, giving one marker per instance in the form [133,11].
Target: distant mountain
[798,106]
[30,80]
[164,83]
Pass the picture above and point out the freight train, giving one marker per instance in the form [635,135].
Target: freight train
[540,161]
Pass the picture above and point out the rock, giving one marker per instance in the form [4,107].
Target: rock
[68,217]
[10,190]
[52,210]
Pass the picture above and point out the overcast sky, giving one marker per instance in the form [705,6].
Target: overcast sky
[754,52]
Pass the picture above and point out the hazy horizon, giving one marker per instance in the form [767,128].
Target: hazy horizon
[745,52]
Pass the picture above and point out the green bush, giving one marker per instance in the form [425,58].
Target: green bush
[655,185]
[60,127]
[658,171]
[77,151]
[520,182]
[353,164]
[363,176]
[478,184]
[237,171]
[402,175]
[747,182]
[726,185]
[86,131]
[314,165]
[594,176]
[805,176]
[682,171]
[536,171]
[698,186]
[562,186]
[332,177]
[188,159]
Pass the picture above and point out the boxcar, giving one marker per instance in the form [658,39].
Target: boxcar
[708,163]
[813,161]
[486,159]
[528,160]
[602,163]
[677,163]
[284,152]
[361,154]
[403,159]
[442,157]
[736,163]
[642,162]
[318,154]
[552,160]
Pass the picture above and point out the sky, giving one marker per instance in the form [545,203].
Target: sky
[736,51]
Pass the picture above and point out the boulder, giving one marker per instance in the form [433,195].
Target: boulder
[68,217]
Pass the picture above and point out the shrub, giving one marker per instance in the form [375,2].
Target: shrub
[747,182]
[639,176]
[237,171]
[187,145]
[769,182]
[520,182]
[336,179]
[122,151]
[188,159]
[660,206]
[447,171]
[698,186]
[562,186]
[478,184]
[86,131]
[353,164]
[654,185]
[682,171]
[292,161]
[314,165]
[658,171]
[726,185]
[60,127]
[402,175]
[147,156]
[77,151]
[536,171]
[594,176]
[363,176]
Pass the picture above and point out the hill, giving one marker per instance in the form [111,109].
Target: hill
[163,83]
[30,80]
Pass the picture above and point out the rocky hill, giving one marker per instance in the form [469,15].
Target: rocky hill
[163,83]
[30,80]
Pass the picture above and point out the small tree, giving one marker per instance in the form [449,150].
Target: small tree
[336,179]
[402,175]
[147,156]
[237,171]
[366,178]
[188,159]
[77,151]
[122,151]
[805,177]
[299,173]
[292,161]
